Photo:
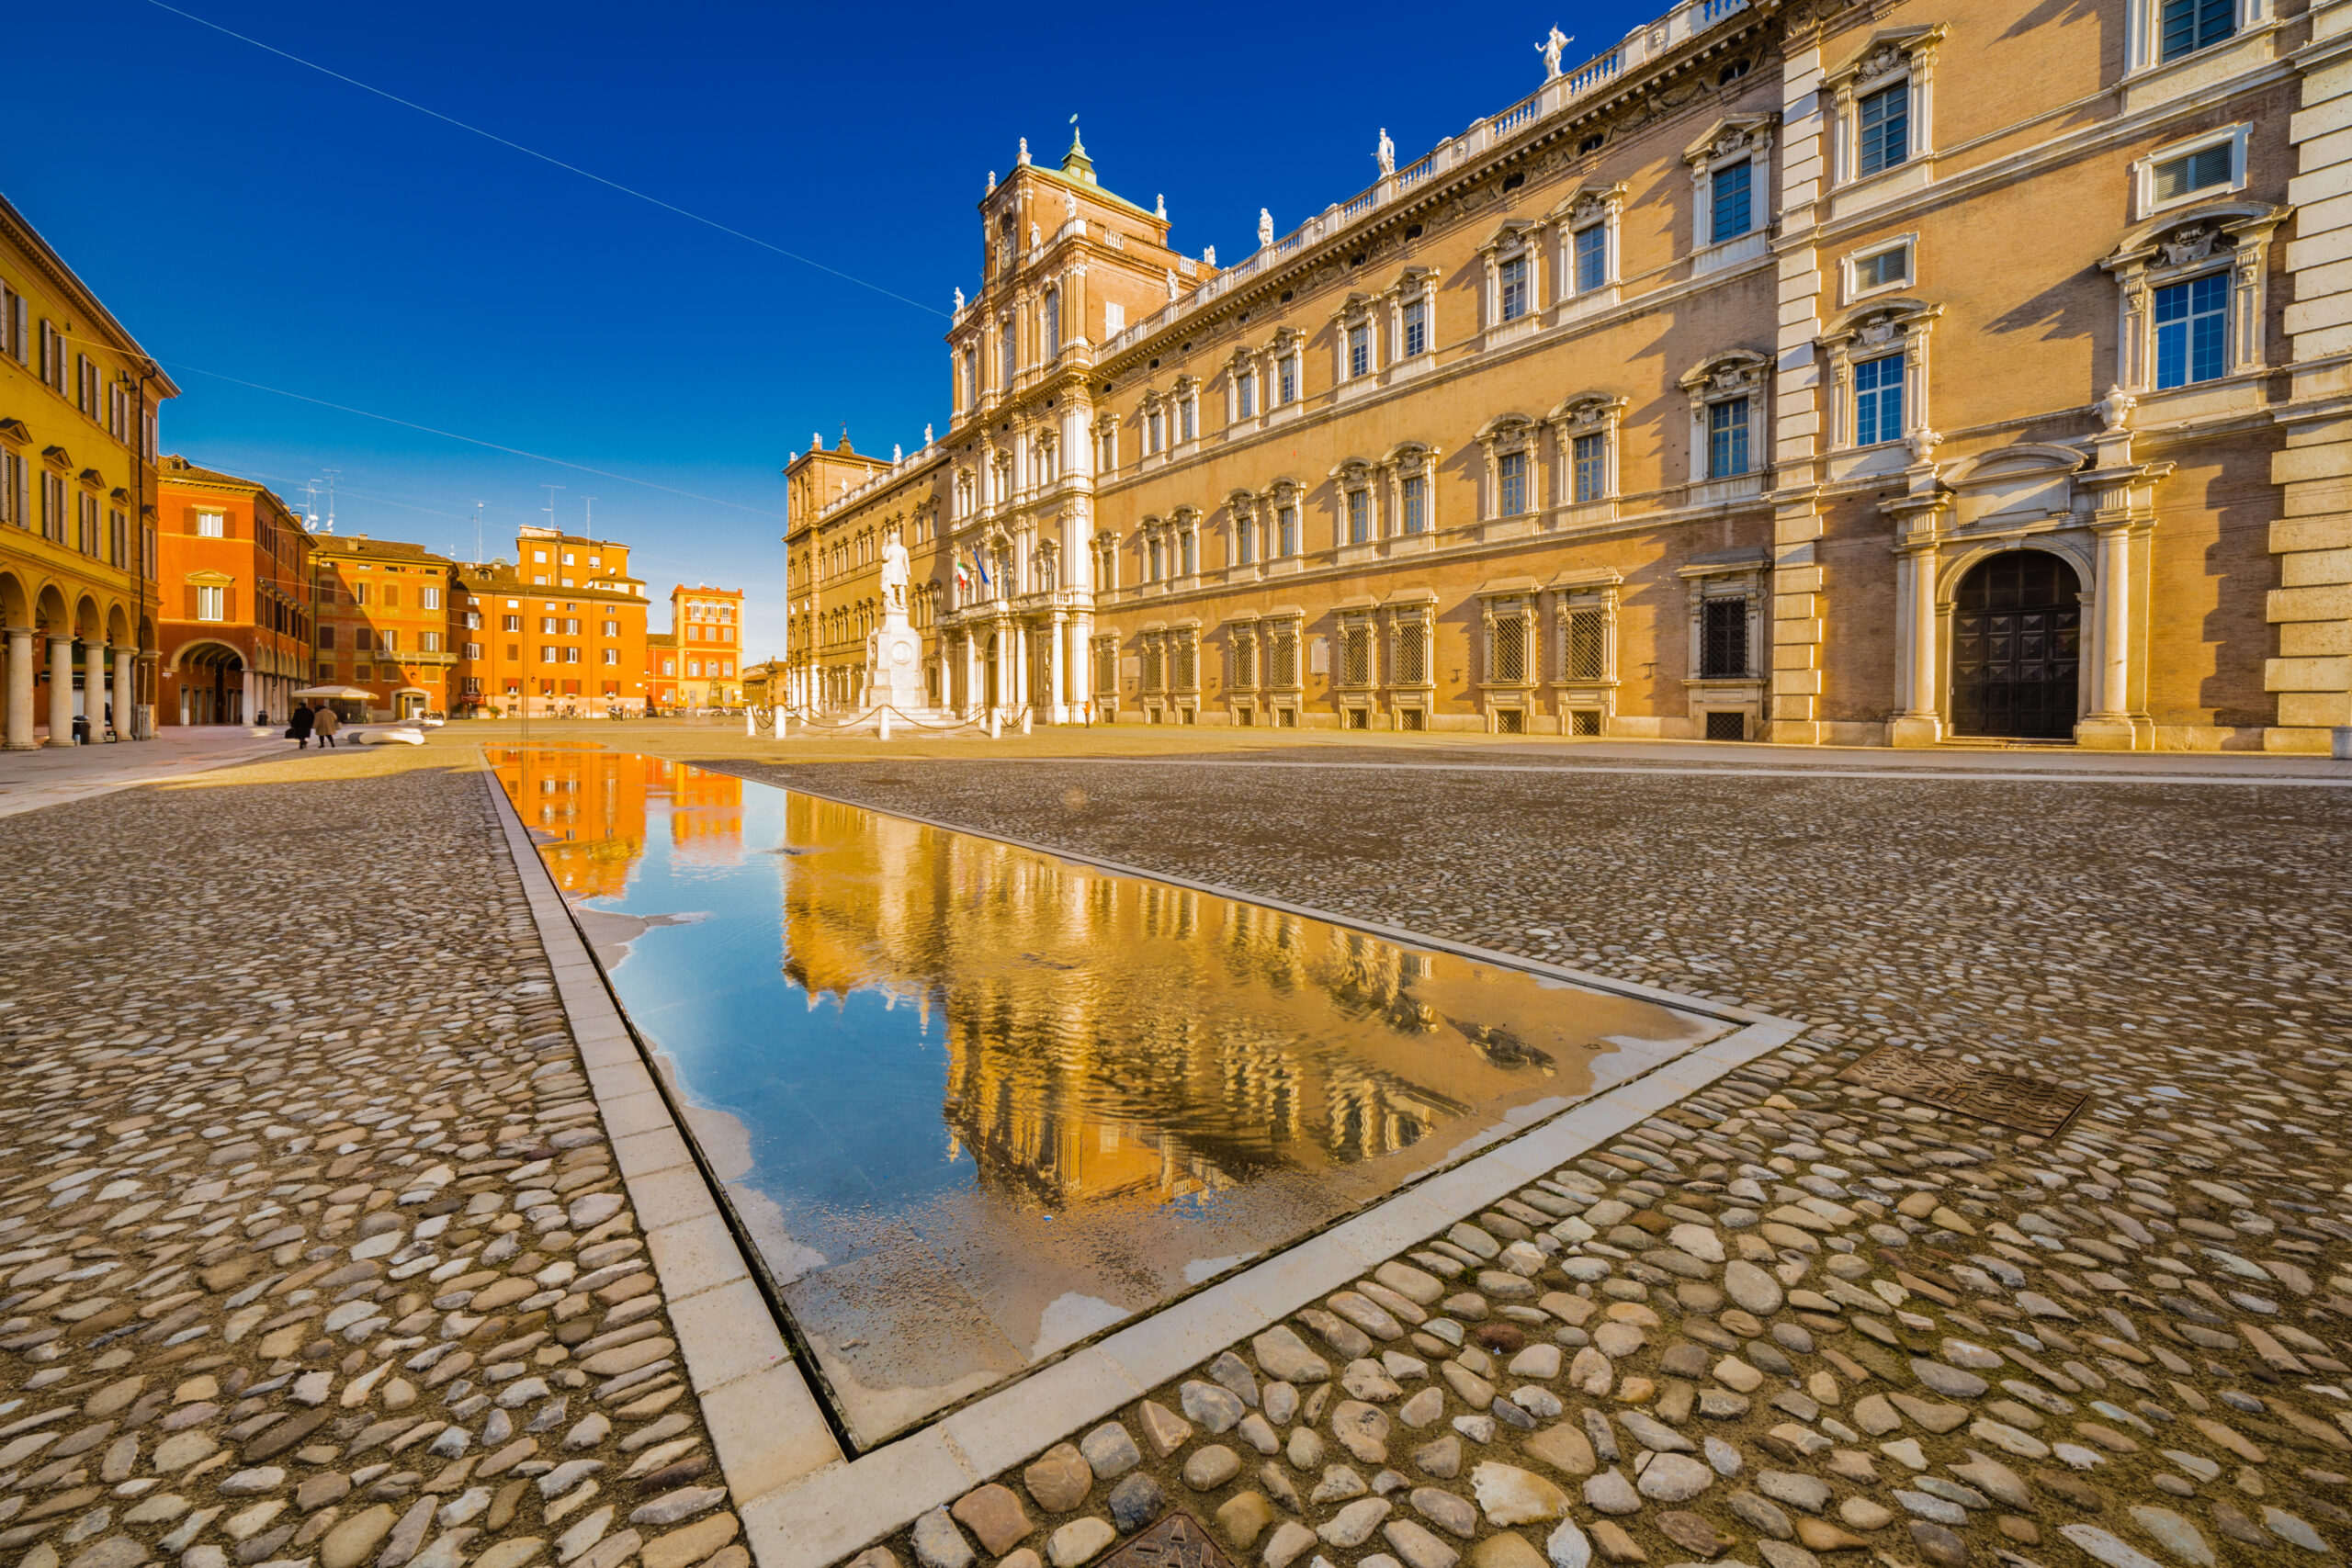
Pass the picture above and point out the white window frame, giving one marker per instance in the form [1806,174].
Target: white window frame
[211,525]
[1518,240]
[1593,414]
[2143,36]
[1748,138]
[1589,209]
[211,602]
[1411,459]
[1892,326]
[1850,287]
[2145,203]
[1350,479]
[1906,55]
[1504,434]
[1738,373]
[2184,243]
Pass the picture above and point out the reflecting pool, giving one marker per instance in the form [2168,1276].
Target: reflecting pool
[976,1102]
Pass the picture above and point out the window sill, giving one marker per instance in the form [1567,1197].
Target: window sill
[1420,544]
[1355,387]
[1420,364]
[1585,514]
[1517,527]
[2152,86]
[1284,415]
[1873,191]
[1352,554]
[1856,462]
[1731,252]
[1512,331]
[1713,493]
[1590,303]
[1288,566]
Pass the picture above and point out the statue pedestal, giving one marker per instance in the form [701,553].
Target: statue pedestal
[894,666]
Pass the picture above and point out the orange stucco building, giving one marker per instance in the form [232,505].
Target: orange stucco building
[235,607]
[561,632]
[707,624]
[383,613]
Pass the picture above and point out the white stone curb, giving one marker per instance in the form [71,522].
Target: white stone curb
[764,1419]
[803,1503]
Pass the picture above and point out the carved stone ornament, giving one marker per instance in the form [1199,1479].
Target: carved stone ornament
[2115,409]
[1589,207]
[1877,330]
[1886,57]
[1733,377]
[2190,243]
[1733,140]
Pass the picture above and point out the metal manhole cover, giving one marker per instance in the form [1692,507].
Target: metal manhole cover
[1179,1540]
[2012,1100]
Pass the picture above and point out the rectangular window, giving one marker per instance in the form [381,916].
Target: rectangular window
[1358,516]
[473,650]
[1878,400]
[1287,375]
[12,324]
[2192,25]
[1245,395]
[1153,430]
[1511,278]
[1245,540]
[1731,202]
[1887,269]
[388,641]
[1883,129]
[1053,323]
[210,602]
[1417,328]
[2206,167]
[612,628]
[1359,351]
[612,656]
[1723,639]
[1187,419]
[1510,484]
[571,656]
[1188,554]
[1286,531]
[1727,439]
[971,375]
[1587,655]
[2192,329]
[428,642]
[1510,649]
[1416,488]
[1412,654]
[1589,457]
[363,638]
[510,623]
[428,598]
[547,626]
[211,525]
[1005,353]
[571,625]
[326,637]
[1591,257]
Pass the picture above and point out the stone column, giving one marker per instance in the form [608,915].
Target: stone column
[1081,663]
[95,664]
[1917,723]
[2109,723]
[1020,694]
[247,690]
[20,689]
[1798,615]
[1056,694]
[60,691]
[124,710]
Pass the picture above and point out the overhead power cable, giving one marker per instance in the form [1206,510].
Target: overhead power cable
[542,157]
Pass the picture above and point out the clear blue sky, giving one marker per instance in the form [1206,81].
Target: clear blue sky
[251,218]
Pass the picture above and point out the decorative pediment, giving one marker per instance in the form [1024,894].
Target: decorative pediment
[1730,137]
[1889,50]
[1739,370]
[2193,235]
[1353,469]
[13,431]
[1355,308]
[58,457]
[1239,502]
[209,580]
[1504,427]
[1284,490]
[1880,323]
[1589,410]
[2029,479]
[1588,204]
[1412,281]
[91,480]
[1512,234]
[1410,454]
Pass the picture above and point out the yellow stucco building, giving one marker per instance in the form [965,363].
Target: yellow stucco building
[78,399]
[1948,370]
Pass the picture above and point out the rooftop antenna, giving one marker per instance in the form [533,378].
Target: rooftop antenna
[588,516]
[477,533]
[313,509]
[331,474]
[550,508]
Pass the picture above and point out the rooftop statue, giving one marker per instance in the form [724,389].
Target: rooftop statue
[1550,50]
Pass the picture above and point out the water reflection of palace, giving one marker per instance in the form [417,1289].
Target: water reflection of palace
[590,807]
[1114,1038]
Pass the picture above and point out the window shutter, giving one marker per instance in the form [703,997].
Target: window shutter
[189,513]
[190,604]
[229,603]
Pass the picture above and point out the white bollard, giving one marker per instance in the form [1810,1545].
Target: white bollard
[995,731]
[886,724]
[1024,721]
[751,725]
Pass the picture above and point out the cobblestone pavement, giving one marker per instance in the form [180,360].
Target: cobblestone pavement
[1796,1321]
[311,1244]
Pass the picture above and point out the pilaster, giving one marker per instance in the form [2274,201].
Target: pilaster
[1793,711]
[2311,677]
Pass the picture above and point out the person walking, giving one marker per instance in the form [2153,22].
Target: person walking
[298,730]
[324,725]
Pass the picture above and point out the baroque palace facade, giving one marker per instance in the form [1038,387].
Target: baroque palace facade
[1839,374]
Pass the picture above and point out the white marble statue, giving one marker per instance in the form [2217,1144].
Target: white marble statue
[1550,50]
[1172,285]
[1069,207]
[959,301]
[1208,255]
[894,573]
[1386,153]
[1265,228]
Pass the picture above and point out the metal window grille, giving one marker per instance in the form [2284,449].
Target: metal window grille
[1284,663]
[1510,649]
[1588,645]
[1152,668]
[1186,662]
[1242,661]
[1723,638]
[1412,654]
[1355,668]
[1584,721]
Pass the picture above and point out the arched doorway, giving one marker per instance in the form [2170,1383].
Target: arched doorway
[212,684]
[2016,647]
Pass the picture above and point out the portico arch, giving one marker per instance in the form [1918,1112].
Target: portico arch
[211,677]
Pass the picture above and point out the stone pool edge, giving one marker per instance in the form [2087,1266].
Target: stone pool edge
[762,1417]
[803,1503]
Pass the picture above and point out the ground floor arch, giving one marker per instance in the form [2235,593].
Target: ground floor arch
[2017,624]
[215,684]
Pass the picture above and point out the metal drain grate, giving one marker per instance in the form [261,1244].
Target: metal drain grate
[1989,1094]
[1177,1541]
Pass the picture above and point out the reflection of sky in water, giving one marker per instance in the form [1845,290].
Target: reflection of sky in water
[1029,1098]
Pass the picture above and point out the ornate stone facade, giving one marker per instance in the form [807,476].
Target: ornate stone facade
[1617,414]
